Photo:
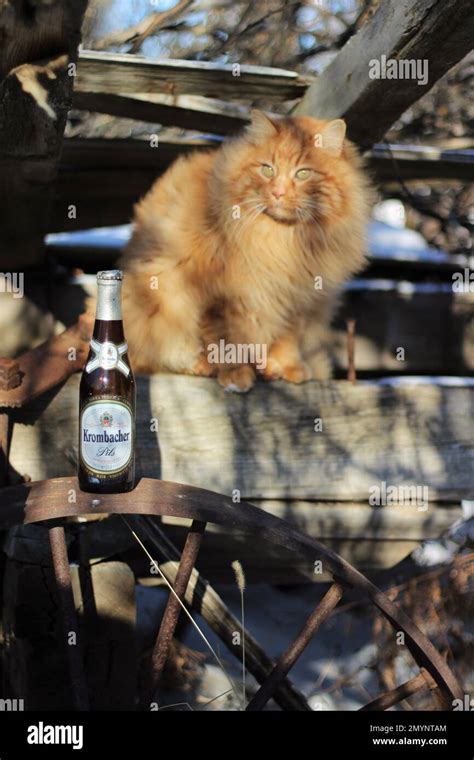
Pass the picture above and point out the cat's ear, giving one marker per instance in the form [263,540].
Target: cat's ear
[333,136]
[261,126]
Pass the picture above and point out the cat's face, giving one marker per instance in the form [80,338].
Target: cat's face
[288,171]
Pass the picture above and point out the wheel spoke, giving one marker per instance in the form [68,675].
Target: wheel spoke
[297,646]
[173,607]
[62,573]
[394,696]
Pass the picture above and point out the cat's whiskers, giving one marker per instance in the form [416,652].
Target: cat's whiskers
[249,218]
[242,221]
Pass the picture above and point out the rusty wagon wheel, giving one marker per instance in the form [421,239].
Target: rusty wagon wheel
[48,500]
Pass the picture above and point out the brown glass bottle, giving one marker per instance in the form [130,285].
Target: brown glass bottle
[107,399]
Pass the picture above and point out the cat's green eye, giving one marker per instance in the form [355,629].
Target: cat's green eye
[303,173]
[268,171]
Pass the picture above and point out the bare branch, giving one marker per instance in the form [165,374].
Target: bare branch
[136,35]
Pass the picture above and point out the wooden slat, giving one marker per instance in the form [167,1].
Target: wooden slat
[420,163]
[389,315]
[431,324]
[218,117]
[92,179]
[425,30]
[120,74]
[35,98]
[264,444]
[186,111]
[104,178]
[367,537]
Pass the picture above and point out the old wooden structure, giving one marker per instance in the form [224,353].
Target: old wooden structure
[263,448]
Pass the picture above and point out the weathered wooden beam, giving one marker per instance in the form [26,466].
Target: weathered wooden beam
[121,74]
[264,445]
[419,162]
[407,162]
[37,46]
[92,178]
[435,34]
[92,175]
[104,178]
[405,327]
[186,111]
[218,117]
[432,324]
[368,537]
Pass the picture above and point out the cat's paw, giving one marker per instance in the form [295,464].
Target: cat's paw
[237,379]
[203,368]
[294,373]
[272,370]
[297,373]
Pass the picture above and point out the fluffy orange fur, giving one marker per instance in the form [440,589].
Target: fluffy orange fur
[229,245]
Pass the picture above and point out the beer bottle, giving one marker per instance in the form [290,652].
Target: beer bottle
[107,399]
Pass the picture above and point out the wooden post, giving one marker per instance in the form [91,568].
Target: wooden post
[38,44]
[437,35]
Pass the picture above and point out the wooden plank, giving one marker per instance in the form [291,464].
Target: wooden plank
[420,163]
[264,445]
[92,178]
[406,327]
[104,178]
[36,94]
[121,74]
[439,34]
[389,315]
[186,111]
[412,162]
[370,538]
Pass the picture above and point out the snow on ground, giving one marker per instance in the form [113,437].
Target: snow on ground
[386,241]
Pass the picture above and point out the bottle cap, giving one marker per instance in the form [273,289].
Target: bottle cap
[109,274]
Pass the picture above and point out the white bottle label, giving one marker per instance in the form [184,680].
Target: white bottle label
[106,430]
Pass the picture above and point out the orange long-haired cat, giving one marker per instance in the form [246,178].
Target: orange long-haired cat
[238,254]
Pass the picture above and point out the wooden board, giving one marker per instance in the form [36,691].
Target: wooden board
[403,327]
[186,111]
[264,445]
[433,325]
[104,178]
[421,30]
[120,74]
[368,537]
[412,162]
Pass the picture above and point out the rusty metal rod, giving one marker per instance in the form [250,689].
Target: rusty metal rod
[351,370]
[297,646]
[5,438]
[62,572]
[394,696]
[203,598]
[173,607]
